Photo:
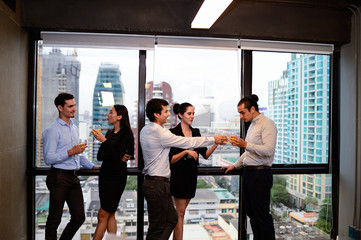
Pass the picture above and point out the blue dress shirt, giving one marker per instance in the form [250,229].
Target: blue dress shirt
[57,139]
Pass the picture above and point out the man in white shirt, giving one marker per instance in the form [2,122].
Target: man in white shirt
[256,161]
[156,142]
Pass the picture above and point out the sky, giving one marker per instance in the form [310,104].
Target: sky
[197,76]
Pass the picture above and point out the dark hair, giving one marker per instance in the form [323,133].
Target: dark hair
[123,111]
[181,109]
[61,98]
[249,102]
[155,105]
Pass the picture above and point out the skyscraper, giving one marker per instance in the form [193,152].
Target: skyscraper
[58,72]
[299,104]
[108,90]
[162,90]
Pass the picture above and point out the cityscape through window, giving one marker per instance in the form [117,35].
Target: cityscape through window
[294,91]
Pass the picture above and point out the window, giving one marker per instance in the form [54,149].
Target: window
[209,78]
[103,77]
[197,76]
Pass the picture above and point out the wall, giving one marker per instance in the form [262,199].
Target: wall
[13,109]
[348,145]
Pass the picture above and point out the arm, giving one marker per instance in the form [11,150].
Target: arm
[168,139]
[269,137]
[236,165]
[117,148]
[211,150]
[53,154]
[175,158]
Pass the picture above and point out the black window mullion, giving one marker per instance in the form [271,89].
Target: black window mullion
[141,123]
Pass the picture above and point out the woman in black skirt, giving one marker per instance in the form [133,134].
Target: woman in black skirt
[184,164]
[116,149]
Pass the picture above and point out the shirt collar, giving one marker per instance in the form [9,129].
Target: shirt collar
[62,122]
[258,118]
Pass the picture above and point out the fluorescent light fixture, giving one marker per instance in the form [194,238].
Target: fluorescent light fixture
[209,13]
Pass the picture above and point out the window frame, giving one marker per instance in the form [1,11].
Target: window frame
[332,167]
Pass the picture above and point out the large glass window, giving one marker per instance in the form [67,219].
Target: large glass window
[293,90]
[126,214]
[289,99]
[209,80]
[98,78]
[301,206]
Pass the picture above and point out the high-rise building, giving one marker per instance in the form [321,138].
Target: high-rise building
[162,90]
[58,72]
[108,90]
[299,105]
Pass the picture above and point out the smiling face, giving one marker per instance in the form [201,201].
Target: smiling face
[68,110]
[113,117]
[188,116]
[162,118]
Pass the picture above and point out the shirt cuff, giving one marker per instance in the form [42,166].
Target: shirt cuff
[238,164]
[63,156]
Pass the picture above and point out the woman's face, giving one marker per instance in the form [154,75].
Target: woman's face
[188,115]
[113,117]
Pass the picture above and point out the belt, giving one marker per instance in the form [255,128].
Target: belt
[256,167]
[156,178]
[65,171]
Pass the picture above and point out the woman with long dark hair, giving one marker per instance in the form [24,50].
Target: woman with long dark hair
[184,164]
[116,149]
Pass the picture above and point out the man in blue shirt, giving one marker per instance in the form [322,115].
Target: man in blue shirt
[62,150]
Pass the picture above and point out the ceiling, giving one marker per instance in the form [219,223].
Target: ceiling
[323,21]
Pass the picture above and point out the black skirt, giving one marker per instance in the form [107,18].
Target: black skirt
[183,181]
[111,187]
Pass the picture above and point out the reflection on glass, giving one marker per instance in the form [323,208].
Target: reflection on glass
[98,79]
[126,215]
[198,76]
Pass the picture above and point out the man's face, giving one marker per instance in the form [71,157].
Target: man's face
[163,116]
[69,109]
[245,114]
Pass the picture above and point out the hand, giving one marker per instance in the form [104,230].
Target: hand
[98,135]
[126,157]
[76,149]
[228,168]
[222,140]
[193,154]
[96,167]
[237,141]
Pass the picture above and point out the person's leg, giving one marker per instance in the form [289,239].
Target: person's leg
[181,205]
[112,224]
[102,225]
[259,183]
[75,203]
[58,191]
[160,206]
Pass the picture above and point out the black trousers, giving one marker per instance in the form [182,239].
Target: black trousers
[64,186]
[162,216]
[257,186]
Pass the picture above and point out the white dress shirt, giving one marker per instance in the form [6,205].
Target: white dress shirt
[261,143]
[156,142]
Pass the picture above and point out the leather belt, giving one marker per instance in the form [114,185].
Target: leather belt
[66,171]
[256,167]
[157,178]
